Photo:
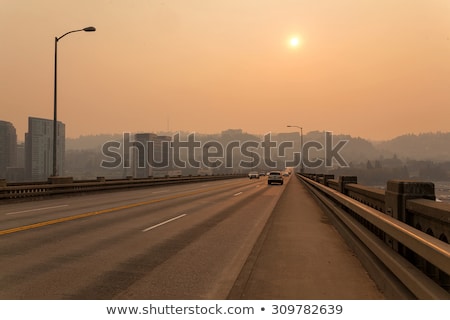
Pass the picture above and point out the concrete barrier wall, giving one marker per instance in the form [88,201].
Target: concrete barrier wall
[64,185]
[410,202]
[396,201]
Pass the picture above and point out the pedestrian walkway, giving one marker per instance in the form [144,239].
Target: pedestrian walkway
[301,256]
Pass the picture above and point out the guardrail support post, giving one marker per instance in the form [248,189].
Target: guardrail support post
[327,177]
[396,195]
[398,191]
[343,180]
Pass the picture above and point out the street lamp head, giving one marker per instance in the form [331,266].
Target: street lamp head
[89,29]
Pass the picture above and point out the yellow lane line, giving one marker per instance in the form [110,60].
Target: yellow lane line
[109,210]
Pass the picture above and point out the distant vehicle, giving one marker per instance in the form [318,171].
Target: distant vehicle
[285,174]
[253,175]
[262,174]
[275,177]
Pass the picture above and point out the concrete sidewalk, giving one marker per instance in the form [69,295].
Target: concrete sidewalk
[299,255]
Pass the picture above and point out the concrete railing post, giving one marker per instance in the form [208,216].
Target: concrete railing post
[396,195]
[343,180]
[3,183]
[399,191]
[327,177]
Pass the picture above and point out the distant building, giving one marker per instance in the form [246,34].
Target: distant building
[8,147]
[140,156]
[162,156]
[152,156]
[17,173]
[21,155]
[39,149]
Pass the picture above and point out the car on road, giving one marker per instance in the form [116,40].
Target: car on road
[253,175]
[275,177]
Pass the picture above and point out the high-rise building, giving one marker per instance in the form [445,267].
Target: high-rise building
[8,147]
[151,155]
[140,155]
[161,156]
[39,149]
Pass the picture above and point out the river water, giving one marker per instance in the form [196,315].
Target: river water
[442,191]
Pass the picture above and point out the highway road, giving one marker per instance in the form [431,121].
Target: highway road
[170,242]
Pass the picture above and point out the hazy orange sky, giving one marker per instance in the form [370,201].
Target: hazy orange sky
[374,69]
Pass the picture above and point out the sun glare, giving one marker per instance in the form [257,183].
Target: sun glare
[295,42]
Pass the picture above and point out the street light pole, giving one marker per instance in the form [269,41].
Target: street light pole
[87,29]
[301,146]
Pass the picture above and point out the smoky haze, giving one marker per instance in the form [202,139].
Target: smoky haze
[375,69]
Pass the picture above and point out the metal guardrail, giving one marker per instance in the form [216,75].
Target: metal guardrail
[17,192]
[431,249]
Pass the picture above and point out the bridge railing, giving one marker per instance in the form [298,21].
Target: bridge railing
[403,226]
[66,185]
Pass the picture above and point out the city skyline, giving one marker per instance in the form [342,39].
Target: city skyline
[375,70]
[21,138]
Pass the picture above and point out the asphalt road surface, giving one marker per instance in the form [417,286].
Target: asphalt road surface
[169,242]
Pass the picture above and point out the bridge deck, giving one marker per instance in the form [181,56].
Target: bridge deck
[300,255]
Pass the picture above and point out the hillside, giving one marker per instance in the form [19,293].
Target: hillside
[426,146]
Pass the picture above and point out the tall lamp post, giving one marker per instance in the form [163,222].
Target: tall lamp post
[301,146]
[87,29]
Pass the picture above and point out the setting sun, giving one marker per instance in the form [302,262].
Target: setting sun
[294,41]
